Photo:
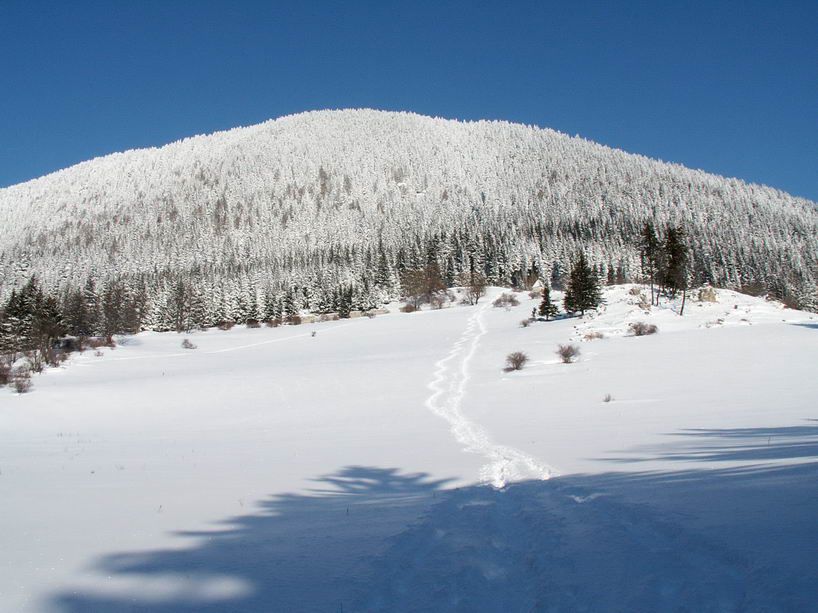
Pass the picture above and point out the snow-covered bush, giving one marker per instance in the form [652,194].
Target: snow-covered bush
[505,301]
[19,373]
[515,361]
[708,294]
[640,328]
[21,382]
[568,353]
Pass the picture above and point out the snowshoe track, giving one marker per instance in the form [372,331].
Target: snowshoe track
[506,464]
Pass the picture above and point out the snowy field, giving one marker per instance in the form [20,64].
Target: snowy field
[392,465]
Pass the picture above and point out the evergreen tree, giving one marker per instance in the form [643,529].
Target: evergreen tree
[344,301]
[649,250]
[179,306]
[77,318]
[92,309]
[289,307]
[547,308]
[114,300]
[583,291]
[675,274]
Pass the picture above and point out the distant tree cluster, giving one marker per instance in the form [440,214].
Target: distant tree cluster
[666,263]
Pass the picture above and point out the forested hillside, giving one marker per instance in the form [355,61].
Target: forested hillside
[325,206]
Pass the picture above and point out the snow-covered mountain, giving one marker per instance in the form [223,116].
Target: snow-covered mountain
[317,199]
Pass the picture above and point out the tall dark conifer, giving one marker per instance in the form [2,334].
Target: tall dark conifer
[547,308]
[676,263]
[649,249]
[583,291]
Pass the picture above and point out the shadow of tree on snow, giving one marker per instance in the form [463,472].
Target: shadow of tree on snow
[372,539]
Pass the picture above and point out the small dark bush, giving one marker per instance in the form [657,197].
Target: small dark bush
[5,372]
[607,398]
[369,314]
[253,323]
[526,322]
[640,328]
[408,308]
[294,320]
[187,344]
[568,353]
[515,361]
[272,323]
[225,325]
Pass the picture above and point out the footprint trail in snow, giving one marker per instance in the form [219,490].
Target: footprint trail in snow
[506,464]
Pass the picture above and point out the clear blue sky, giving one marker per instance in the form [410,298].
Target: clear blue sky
[729,87]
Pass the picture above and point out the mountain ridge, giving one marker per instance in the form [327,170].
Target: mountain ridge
[578,137]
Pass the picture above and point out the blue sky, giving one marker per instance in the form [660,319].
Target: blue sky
[729,87]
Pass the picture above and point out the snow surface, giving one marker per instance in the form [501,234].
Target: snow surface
[392,465]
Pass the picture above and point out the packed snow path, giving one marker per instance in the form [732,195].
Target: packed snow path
[506,464]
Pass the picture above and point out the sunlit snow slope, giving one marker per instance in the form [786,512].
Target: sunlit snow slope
[391,465]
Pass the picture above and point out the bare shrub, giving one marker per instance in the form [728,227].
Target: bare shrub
[515,361]
[187,344]
[409,308]
[369,314]
[640,328]
[708,294]
[568,353]
[438,299]
[272,323]
[526,322]
[505,301]
[534,294]
[294,320]
[593,336]
[253,323]
[225,325]
[21,382]
[607,398]
[98,353]
[95,342]
[5,372]
[635,291]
